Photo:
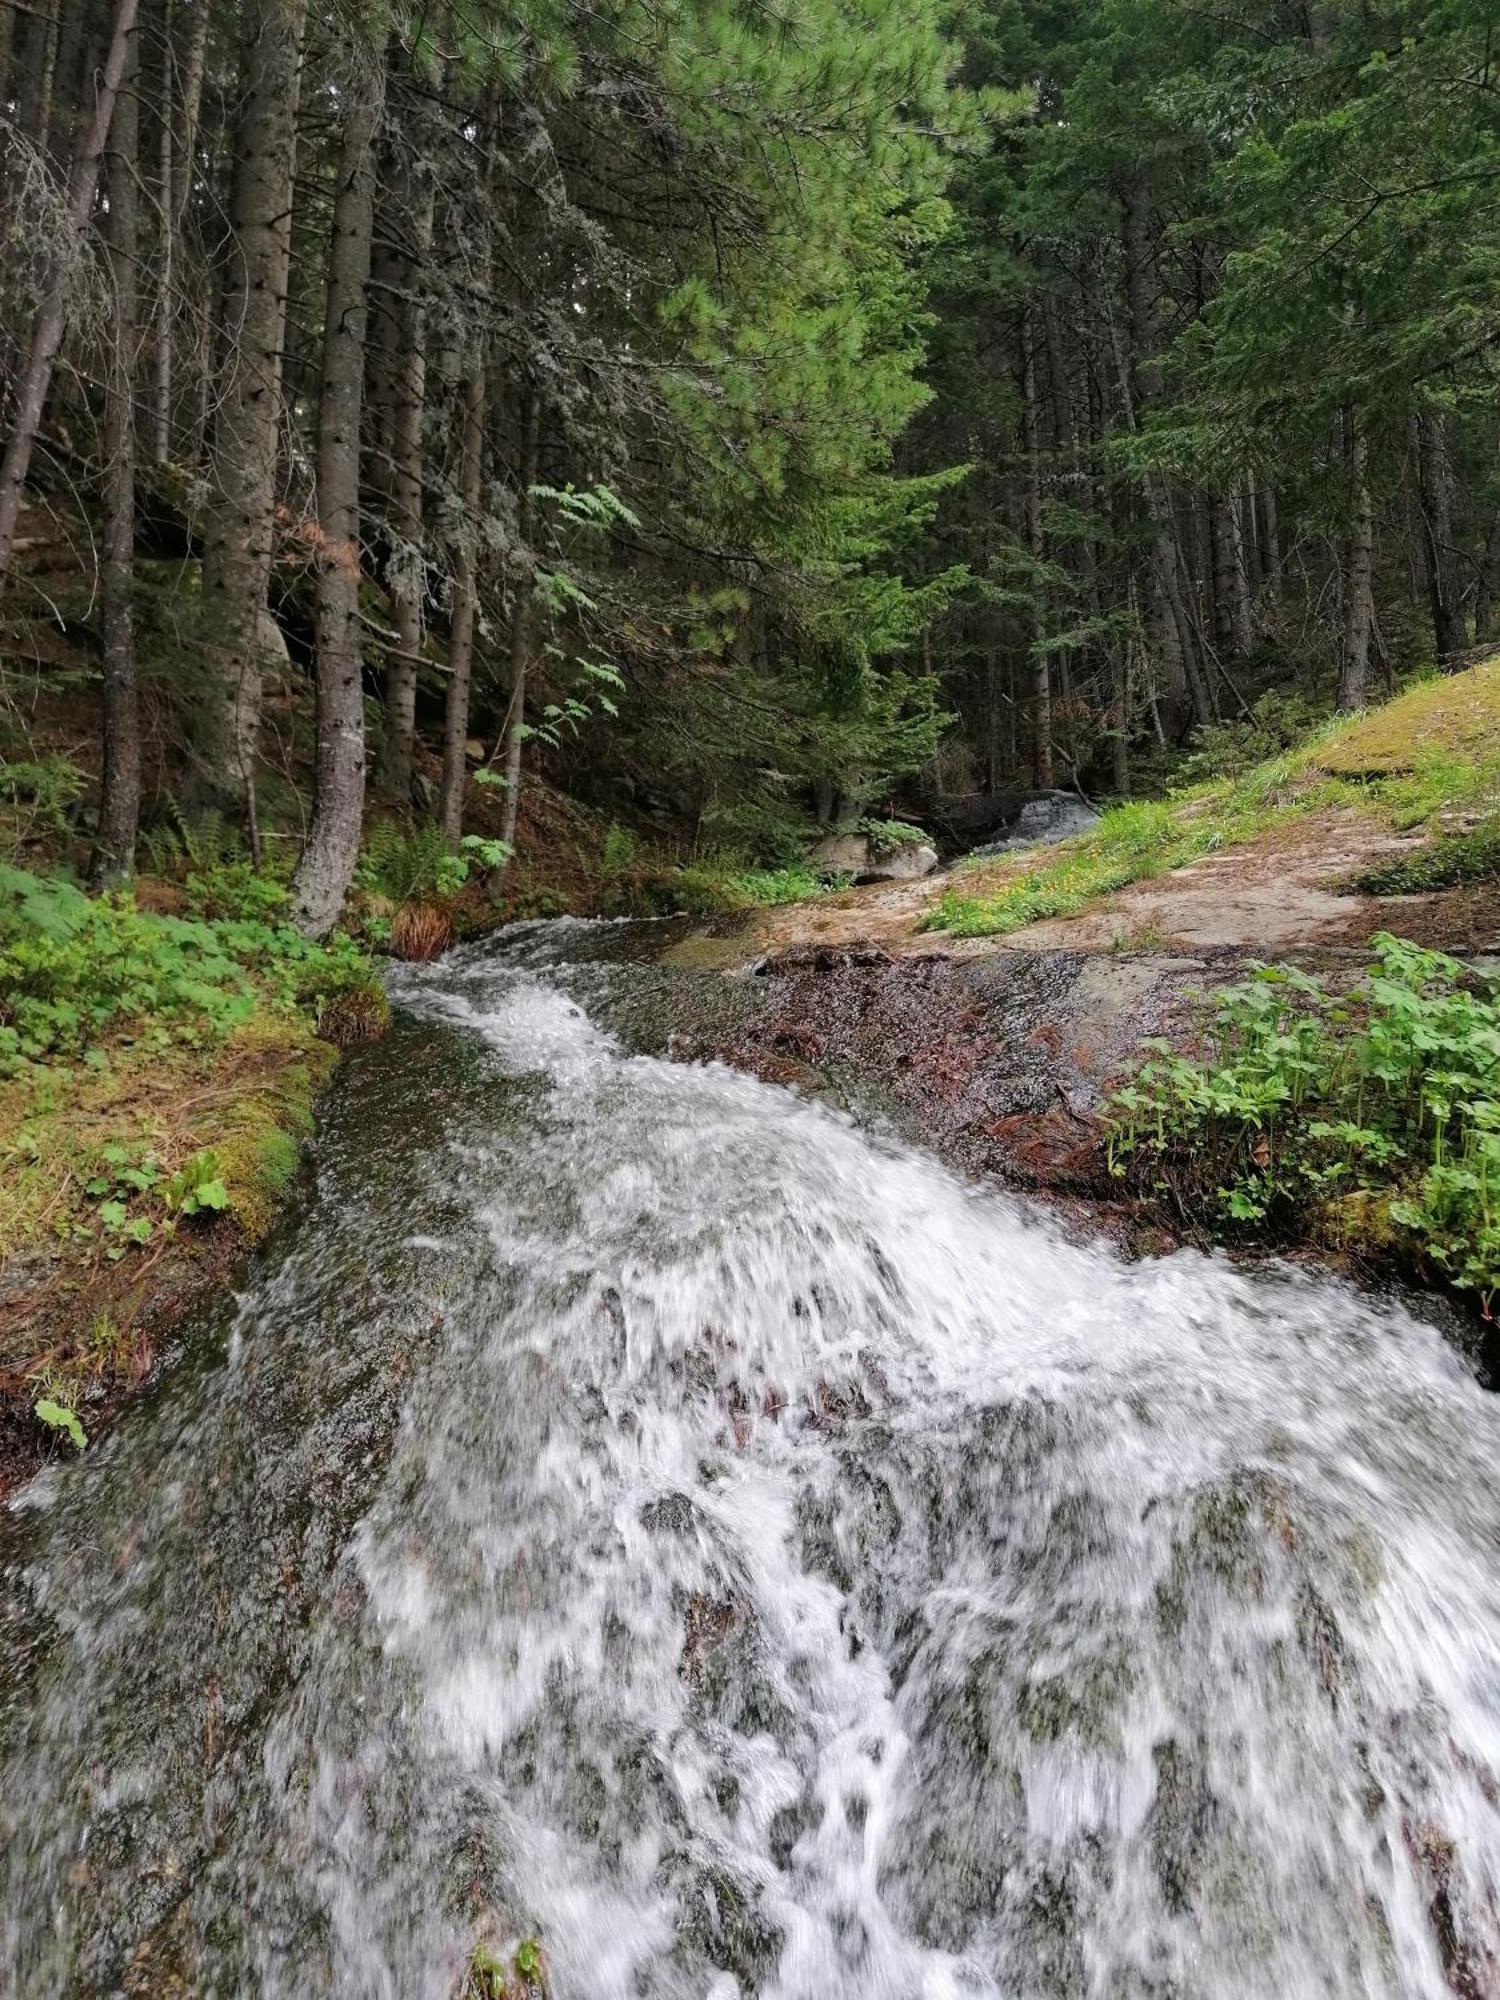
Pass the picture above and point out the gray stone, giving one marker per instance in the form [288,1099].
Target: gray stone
[841,854]
[902,864]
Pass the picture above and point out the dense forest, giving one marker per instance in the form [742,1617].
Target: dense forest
[749,419]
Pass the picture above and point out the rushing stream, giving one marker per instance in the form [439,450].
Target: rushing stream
[633,1505]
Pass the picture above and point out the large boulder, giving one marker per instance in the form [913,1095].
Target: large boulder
[851,853]
[1043,818]
[901,864]
[841,854]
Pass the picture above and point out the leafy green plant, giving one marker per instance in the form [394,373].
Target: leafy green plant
[36,795]
[60,1416]
[235,889]
[197,1188]
[75,969]
[889,836]
[409,863]
[1371,1116]
[621,849]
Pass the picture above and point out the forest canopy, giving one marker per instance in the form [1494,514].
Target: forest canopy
[747,419]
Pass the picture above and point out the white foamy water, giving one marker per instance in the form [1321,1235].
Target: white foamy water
[793,1573]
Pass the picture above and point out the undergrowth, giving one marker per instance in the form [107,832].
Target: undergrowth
[77,972]
[1369,1118]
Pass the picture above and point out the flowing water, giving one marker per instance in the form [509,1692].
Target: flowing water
[633,1505]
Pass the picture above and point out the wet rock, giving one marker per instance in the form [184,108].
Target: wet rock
[1183,1825]
[672,1514]
[1042,819]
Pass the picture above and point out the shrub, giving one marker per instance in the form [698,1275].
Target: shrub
[234,889]
[412,864]
[621,849]
[889,836]
[1372,1117]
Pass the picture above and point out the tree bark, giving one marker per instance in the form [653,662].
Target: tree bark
[328,860]
[46,335]
[1270,541]
[161,442]
[113,858]
[1359,596]
[1435,481]
[1139,375]
[1041,666]
[521,619]
[465,596]
[406,507]
[39,122]
[241,508]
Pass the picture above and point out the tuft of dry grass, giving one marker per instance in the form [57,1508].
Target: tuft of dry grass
[421,932]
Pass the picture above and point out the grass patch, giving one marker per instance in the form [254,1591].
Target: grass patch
[1452,715]
[157,1072]
[1369,1118]
[1434,749]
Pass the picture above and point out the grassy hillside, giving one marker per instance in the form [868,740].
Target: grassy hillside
[1430,758]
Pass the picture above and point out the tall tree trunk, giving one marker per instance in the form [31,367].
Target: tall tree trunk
[192,100]
[120,787]
[1487,588]
[1041,667]
[1359,593]
[521,617]
[1249,539]
[46,335]
[161,430]
[38,112]
[241,508]
[1139,374]
[1435,479]
[406,507]
[328,860]
[992,717]
[465,595]
[1270,541]
[1222,567]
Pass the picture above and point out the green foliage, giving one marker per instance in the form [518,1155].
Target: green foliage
[35,797]
[1146,837]
[197,1188]
[60,1416]
[1372,1115]
[235,889]
[494,1975]
[704,890]
[414,863]
[75,970]
[621,849]
[889,836]
[1279,720]
[1449,862]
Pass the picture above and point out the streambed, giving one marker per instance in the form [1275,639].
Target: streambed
[632,1504]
